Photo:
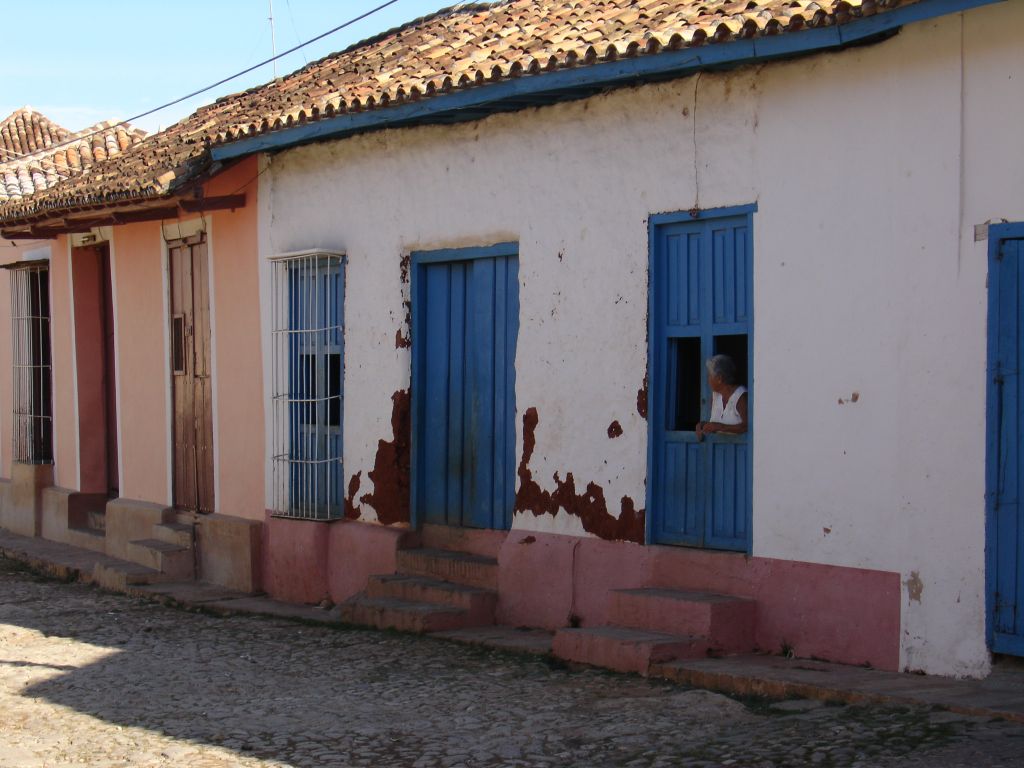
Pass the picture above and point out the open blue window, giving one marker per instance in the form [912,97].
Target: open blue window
[308,371]
[701,304]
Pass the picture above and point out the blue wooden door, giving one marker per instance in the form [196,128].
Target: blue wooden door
[701,305]
[1005,545]
[466,320]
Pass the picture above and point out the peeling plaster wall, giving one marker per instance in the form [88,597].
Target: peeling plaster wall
[867,281]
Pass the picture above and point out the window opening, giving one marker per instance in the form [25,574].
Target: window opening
[308,370]
[735,346]
[33,396]
[178,343]
[685,375]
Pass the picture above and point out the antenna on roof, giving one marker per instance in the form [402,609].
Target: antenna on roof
[273,41]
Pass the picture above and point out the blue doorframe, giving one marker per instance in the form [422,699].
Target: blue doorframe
[1004,518]
[465,323]
[700,302]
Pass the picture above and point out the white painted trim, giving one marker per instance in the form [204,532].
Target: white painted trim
[165,274]
[265,247]
[74,370]
[177,230]
[37,254]
[54,368]
[213,365]
[117,365]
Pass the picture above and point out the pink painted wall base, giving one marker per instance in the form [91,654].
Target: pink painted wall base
[848,615]
[306,562]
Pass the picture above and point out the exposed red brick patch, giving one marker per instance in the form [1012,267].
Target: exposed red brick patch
[641,399]
[390,473]
[614,430]
[590,506]
[351,510]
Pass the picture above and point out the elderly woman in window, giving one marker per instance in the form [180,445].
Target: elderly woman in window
[728,400]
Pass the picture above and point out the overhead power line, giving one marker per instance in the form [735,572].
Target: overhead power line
[224,80]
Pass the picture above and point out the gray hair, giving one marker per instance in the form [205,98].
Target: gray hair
[723,367]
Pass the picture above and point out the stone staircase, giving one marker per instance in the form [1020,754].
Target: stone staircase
[87,522]
[151,546]
[433,590]
[651,626]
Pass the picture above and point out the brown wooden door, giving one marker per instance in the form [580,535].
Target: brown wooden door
[190,374]
[109,372]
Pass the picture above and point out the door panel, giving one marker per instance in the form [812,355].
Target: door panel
[190,373]
[109,374]
[465,353]
[701,306]
[1006,532]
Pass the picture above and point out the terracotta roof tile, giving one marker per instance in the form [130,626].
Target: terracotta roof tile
[27,131]
[454,48]
[36,154]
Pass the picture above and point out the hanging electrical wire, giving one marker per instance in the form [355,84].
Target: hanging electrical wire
[227,79]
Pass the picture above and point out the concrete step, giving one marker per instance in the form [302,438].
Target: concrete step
[727,620]
[459,567]
[179,534]
[87,538]
[163,557]
[476,541]
[385,613]
[626,649]
[118,575]
[418,589]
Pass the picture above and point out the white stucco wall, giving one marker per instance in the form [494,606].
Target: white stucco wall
[870,169]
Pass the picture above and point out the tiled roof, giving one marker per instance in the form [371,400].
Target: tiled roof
[26,131]
[36,154]
[469,46]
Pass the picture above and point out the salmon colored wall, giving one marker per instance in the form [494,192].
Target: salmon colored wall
[238,370]
[65,457]
[137,266]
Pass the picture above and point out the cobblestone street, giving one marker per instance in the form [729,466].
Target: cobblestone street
[103,680]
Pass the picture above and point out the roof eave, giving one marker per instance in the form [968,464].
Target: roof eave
[580,82]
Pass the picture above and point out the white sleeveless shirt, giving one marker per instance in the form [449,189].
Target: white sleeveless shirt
[727,414]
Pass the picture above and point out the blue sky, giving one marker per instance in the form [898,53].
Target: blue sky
[79,63]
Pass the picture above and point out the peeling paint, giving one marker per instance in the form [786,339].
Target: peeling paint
[614,430]
[914,586]
[826,531]
[641,399]
[851,399]
[351,510]
[590,506]
[390,473]
[403,336]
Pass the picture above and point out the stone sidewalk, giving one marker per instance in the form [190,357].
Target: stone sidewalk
[999,696]
[89,677]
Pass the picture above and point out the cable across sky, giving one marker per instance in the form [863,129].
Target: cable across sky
[222,81]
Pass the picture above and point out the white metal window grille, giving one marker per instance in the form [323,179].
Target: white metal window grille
[308,368]
[33,387]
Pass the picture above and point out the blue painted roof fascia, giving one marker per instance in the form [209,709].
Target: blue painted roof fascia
[572,83]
